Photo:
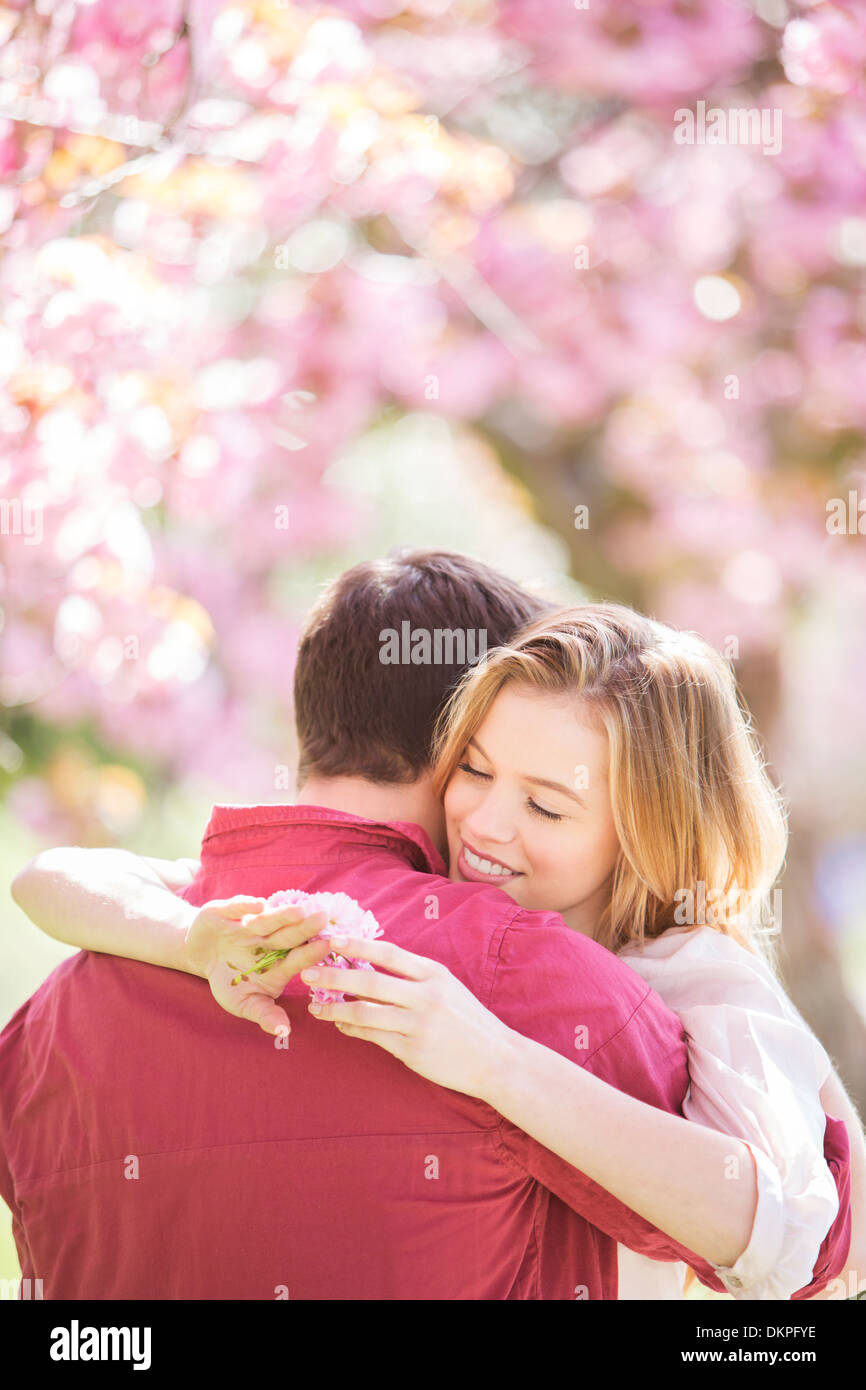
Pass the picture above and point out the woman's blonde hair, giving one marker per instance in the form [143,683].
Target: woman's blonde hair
[697,817]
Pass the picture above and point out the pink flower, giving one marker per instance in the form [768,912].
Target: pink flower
[826,51]
[346,917]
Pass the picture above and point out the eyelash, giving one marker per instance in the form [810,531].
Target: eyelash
[536,810]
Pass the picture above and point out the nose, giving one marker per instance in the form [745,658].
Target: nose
[491,822]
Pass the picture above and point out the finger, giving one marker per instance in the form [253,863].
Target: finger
[235,907]
[268,918]
[364,1015]
[261,1009]
[365,984]
[391,1042]
[284,931]
[387,955]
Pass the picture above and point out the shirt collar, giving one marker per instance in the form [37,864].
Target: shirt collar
[403,837]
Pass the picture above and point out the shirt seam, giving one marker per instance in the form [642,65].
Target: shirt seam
[491,964]
[619,1030]
[25,1183]
[537,1240]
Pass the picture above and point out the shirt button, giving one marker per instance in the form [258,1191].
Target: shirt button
[734,1282]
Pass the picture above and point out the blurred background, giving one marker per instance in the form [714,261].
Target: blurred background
[576,287]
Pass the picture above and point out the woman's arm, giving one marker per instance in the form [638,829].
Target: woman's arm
[110,900]
[695,1184]
[113,901]
[683,1182]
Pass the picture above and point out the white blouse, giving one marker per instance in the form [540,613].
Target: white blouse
[756,1071]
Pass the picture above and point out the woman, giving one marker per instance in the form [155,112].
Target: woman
[601,767]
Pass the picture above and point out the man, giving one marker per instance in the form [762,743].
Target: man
[155,1147]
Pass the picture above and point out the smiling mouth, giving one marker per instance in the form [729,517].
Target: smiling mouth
[479,864]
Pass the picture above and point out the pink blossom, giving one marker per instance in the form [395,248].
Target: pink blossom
[346,917]
[827,50]
[128,26]
[633,50]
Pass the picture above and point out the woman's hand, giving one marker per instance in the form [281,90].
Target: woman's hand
[226,937]
[418,1012]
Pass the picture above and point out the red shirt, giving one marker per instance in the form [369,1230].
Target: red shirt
[154,1147]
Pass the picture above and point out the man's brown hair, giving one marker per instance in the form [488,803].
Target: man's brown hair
[359,711]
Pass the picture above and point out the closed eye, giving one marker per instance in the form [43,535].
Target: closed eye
[532,805]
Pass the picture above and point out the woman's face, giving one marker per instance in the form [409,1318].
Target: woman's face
[528,808]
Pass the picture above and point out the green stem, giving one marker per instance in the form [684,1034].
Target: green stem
[270,958]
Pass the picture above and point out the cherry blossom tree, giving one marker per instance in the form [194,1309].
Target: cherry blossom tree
[620,245]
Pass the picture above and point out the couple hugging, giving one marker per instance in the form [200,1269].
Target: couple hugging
[536,1081]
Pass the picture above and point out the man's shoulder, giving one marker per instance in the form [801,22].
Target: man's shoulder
[569,963]
[521,933]
[90,991]
[520,950]
[40,999]
[543,979]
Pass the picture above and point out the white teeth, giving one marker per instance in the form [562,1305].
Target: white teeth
[484,866]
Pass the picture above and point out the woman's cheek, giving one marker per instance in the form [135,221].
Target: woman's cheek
[458,803]
[453,804]
[564,871]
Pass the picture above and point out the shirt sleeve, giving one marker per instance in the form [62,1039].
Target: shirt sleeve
[776,1227]
[835,1247]
[756,1073]
[753,1077]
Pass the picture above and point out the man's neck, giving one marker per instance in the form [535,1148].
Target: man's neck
[414,802]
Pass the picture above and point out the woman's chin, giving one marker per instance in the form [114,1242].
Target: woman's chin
[513,891]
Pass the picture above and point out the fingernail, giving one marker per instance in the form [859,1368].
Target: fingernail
[315,1007]
[339,940]
[309,975]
